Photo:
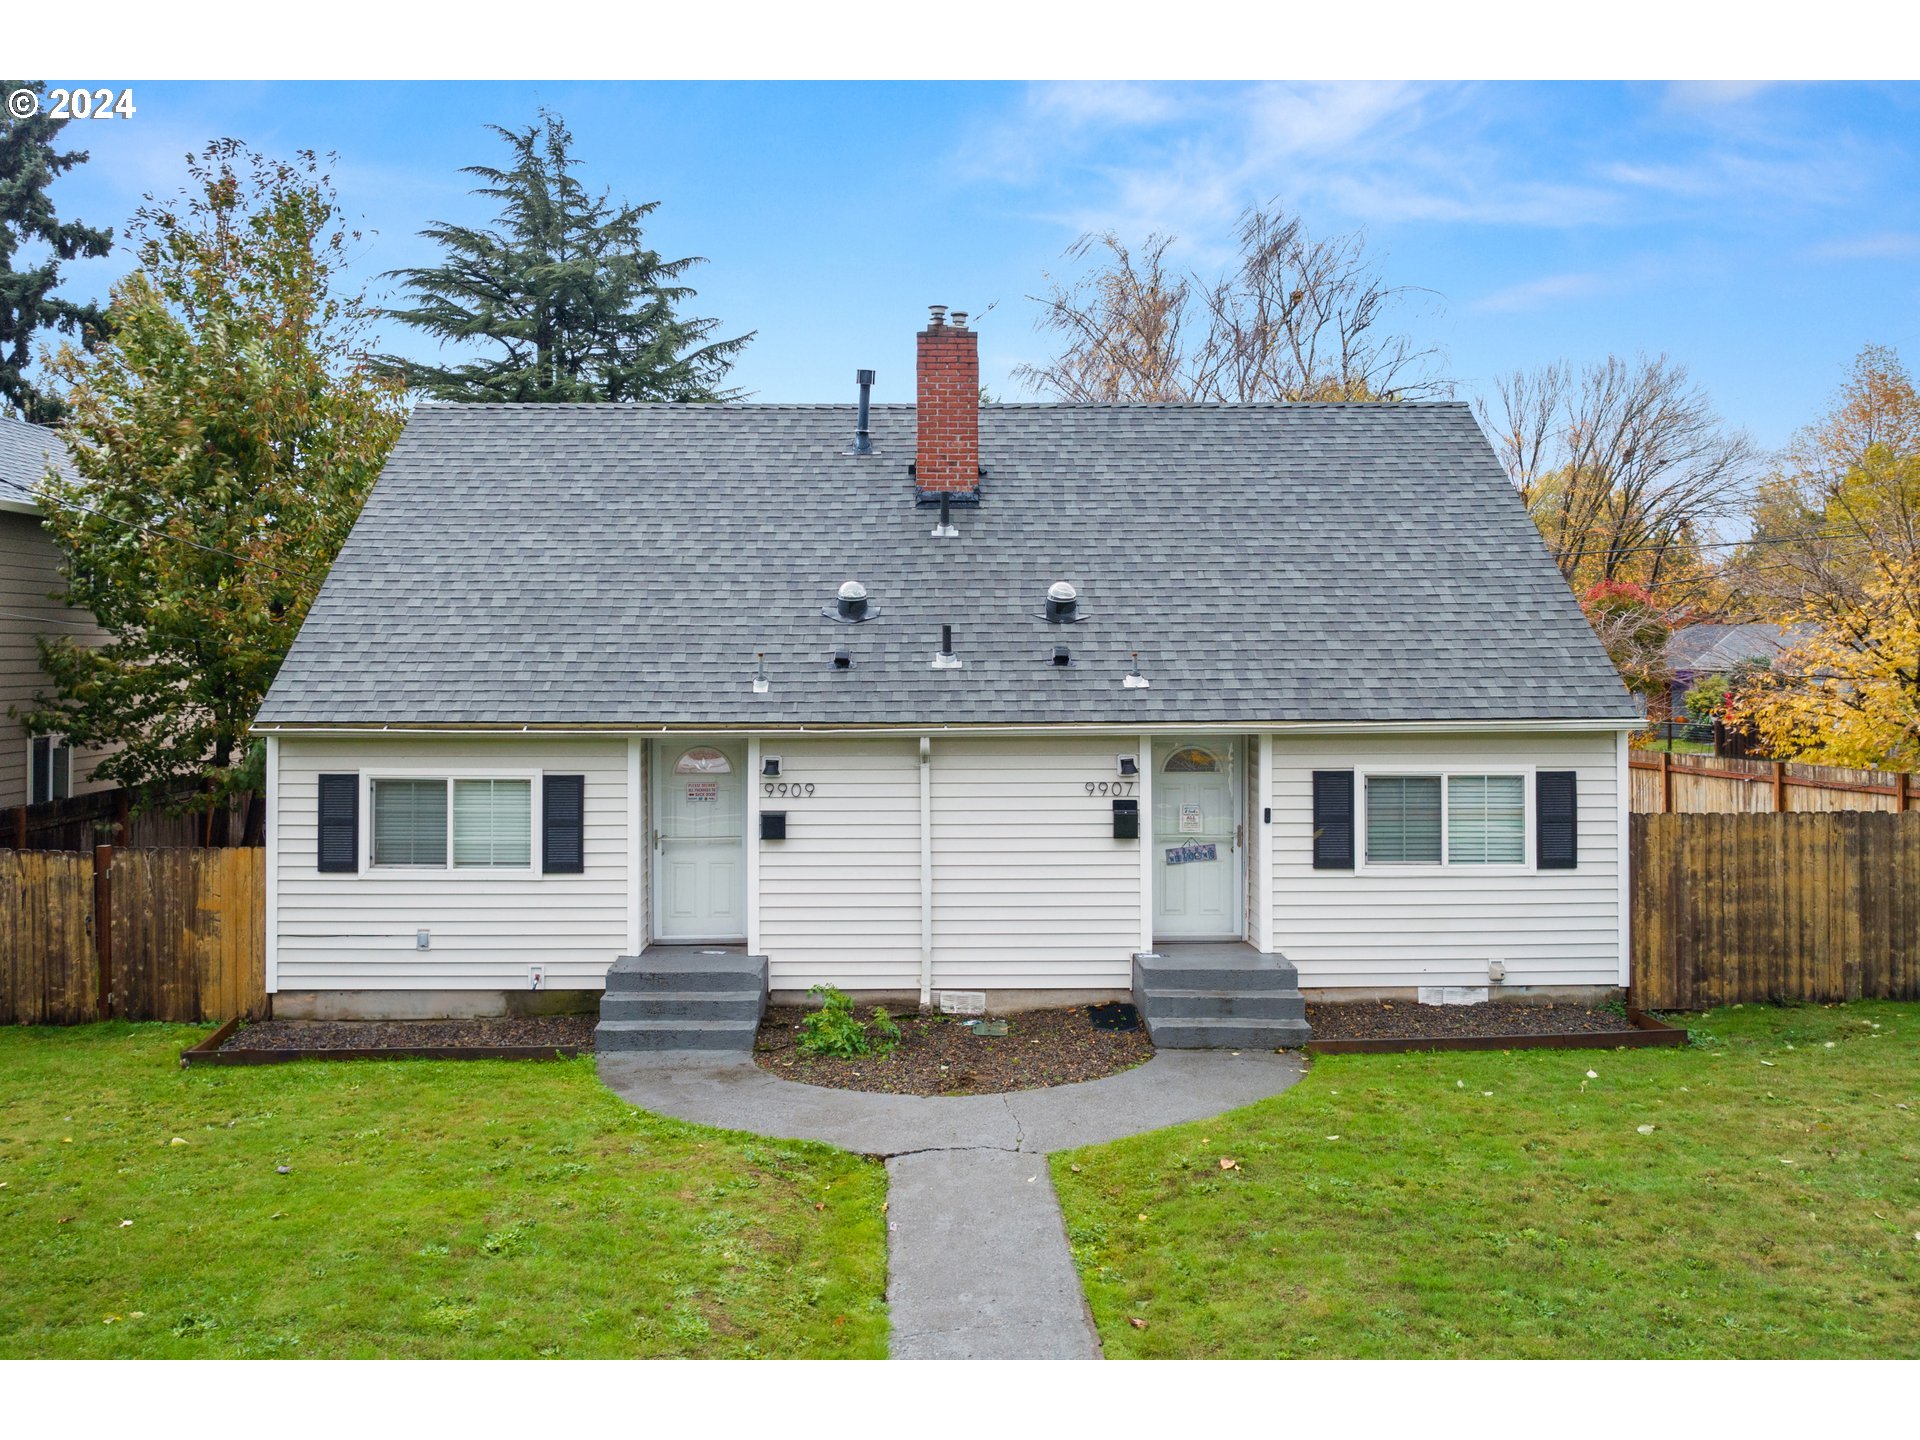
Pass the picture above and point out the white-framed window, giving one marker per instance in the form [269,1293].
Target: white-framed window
[49,769]
[1478,819]
[451,821]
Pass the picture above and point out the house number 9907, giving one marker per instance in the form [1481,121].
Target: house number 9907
[786,787]
[1111,787]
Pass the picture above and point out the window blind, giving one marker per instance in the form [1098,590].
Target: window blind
[1403,819]
[409,822]
[493,822]
[1486,820]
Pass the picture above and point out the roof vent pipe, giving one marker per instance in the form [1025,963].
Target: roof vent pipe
[1063,603]
[945,529]
[862,442]
[944,658]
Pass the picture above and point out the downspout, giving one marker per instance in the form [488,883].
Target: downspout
[926,874]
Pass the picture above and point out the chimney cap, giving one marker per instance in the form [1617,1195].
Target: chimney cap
[863,377]
[959,319]
[937,316]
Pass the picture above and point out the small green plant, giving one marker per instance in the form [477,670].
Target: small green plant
[836,1032]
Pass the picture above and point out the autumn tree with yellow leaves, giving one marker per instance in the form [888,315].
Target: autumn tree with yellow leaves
[1836,546]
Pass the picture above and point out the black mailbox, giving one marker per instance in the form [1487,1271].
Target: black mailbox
[773,824]
[1126,819]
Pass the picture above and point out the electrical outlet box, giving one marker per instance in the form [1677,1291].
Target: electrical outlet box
[423,939]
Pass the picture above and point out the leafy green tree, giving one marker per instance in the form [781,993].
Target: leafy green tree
[224,436]
[564,290]
[29,163]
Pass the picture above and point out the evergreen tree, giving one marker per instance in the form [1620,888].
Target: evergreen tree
[565,287]
[28,164]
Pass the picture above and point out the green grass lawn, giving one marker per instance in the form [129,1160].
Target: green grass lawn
[1511,1205]
[431,1208]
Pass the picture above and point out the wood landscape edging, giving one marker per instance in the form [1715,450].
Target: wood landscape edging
[208,1052]
[1647,1032]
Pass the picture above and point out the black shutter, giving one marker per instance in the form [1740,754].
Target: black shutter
[562,816]
[1556,819]
[1333,820]
[340,823]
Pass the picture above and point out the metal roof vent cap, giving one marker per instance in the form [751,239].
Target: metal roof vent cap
[1063,603]
[849,604]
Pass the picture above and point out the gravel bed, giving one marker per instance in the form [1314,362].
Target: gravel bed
[553,1030]
[939,1055]
[1409,1020]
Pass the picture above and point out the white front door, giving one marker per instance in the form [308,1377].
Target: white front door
[1196,842]
[700,843]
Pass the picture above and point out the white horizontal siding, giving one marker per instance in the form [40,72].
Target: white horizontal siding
[1030,889]
[1434,926]
[356,932]
[840,896]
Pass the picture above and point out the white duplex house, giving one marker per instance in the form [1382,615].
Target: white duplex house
[946,696]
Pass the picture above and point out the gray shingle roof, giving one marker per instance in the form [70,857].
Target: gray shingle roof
[24,452]
[1711,647]
[613,564]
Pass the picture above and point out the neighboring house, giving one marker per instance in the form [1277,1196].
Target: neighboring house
[32,769]
[593,680]
[1697,651]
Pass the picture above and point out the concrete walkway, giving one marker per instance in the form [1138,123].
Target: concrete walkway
[977,1259]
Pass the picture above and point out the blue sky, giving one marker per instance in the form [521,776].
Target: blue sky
[1761,234]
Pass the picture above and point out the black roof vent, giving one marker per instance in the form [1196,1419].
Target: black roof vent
[843,659]
[1062,656]
[849,604]
[862,442]
[1063,603]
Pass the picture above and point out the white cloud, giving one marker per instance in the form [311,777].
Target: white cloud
[1882,245]
[1541,293]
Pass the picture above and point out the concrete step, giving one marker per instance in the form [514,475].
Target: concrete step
[612,1036]
[1215,972]
[1197,1033]
[1222,1004]
[688,970]
[682,1005]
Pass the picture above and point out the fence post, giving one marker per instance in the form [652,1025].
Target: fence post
[1779,786]
[19,827]
[103,925]
[1666,782]
[1902,788]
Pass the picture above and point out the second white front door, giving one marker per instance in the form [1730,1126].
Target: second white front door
[1196,842]
[700,843]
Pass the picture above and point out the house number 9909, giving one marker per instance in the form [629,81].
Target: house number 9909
[786,787]
[1111,787]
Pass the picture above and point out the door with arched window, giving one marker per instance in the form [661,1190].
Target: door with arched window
[699,843]
[1196,841]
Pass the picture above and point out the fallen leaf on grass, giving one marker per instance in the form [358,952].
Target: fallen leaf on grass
[1645,1129]
[176,1141]
[1593,1074]
[1143,1214]
[1226,1164]
[1769,1064]
[125,1223]
[1074,1168]
[1333,1137]
[1136,1322]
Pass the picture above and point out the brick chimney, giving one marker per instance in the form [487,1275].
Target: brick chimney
[948,404]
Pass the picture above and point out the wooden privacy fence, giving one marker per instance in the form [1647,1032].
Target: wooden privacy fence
[1736,908]
[151,934]
[1664,784]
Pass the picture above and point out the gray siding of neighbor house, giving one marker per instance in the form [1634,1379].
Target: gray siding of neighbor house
[29,578]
